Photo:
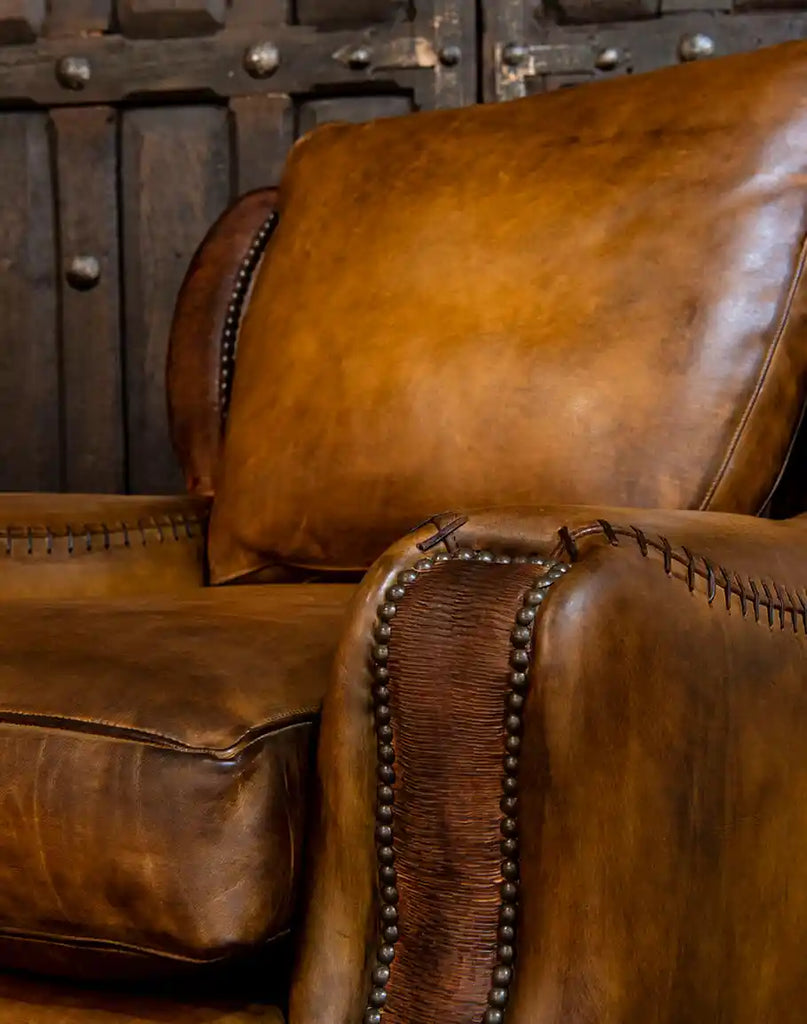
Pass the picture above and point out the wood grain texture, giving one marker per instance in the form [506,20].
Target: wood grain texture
[577,11]
[211,65]
[176,165]
[263,132]
[91,348]
[70,16]
[258,12]
[29,368]
[21,20]
[350,108]
[164,18]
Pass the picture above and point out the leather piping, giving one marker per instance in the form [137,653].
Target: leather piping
[99,729]
[773,348]
[111,945]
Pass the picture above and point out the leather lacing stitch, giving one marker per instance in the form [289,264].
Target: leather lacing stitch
[548,572]
[787,605]
[86,538]
[235,310]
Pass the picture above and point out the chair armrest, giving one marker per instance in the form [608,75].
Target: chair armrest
[590,723]
[59,545]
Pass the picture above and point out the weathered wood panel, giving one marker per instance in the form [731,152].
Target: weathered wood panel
[166,18]
[566,42]
[263,131]
[86,158]
[21,21]
[351,108]
[151,115]
[346,12]
[176,169]
[257,13]
[119,68]
[67,17]
[588,11]
[29,372]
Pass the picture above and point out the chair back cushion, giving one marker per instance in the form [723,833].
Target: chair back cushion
[588,296]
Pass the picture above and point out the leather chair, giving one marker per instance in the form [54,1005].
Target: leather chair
[556,771]
[562,758]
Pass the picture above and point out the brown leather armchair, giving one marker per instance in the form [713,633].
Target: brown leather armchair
[558,770]
[561,757]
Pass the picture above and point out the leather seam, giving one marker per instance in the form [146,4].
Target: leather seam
[115,946]
[753,595]
[763,375]
[177,527]
[99,729]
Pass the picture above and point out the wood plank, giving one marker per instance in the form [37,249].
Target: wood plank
[455,74]
[29,388]
[91,359]
[686,6]
[263,132]
[67,17]
[258,12]
[175,182]
[351,108]
[327,13]
[658,43]
[21,21]
[163,18]
[769,5]
[122,68]
[577,12]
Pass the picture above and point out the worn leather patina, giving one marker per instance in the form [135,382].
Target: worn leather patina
[592,295]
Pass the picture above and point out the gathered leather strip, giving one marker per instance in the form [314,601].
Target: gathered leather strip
[448,872]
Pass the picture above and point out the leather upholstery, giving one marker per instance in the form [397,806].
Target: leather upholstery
[659,812]
[197,367]
[593,295]
[61,545]
[154,752]
[25,1001]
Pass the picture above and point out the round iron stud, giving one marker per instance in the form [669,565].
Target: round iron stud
[262,60]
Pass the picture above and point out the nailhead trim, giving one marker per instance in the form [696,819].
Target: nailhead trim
[520,645]
[235,309]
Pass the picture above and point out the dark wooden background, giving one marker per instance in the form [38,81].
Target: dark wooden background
[125,128]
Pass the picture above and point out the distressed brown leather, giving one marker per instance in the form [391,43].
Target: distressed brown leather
[592,295]
[194,367]
[661,793]
[62,545]
[24,1001]
[154,752]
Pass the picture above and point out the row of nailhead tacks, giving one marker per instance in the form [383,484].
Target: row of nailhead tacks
[519,661]
[232,320]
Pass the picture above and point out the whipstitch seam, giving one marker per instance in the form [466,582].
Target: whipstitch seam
[180,527]
[787,604]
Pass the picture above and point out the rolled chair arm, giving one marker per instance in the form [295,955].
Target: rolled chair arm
[562,776]
[59,545]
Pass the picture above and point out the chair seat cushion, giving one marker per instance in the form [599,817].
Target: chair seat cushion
[154,754]
[28,1001]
